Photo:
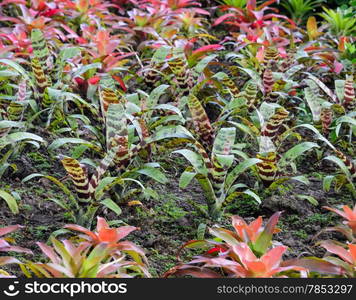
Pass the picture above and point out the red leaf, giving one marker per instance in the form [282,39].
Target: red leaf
[81,40]
[263,5]
[270,16]
[79,81]
[216,249]
[120,81]
[51,12]
[208,48]
[94,80]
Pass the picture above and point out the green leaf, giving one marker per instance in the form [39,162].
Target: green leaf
[67,259]
[86,68]
[69,53]
[314,103]
[289,73]
[237,186]
[16,67]
[201,231]
[59,232]
[57,182]
[317,133]
[10,200]
[78,151]
[267,110]
[7,73]
[264,239]
[7,124]
[194,244]
[166,120]
[83,118]
[156,94]
[62,141]
[169,107]
[60,203]
[323,87]
[150,193]
[311,199]
[296,151]
[223,235]
[224,141]
[341,165]
[225,160]
[19,136]
[201,65]
[220,76]
[327,181]
[91,264]
[112,205]
[253,74]
[346,119]
[240,168]
[244,128]
[253,195]
[103,185]
[153,173]
[340,89]
[301,179]
[186,178]
[160,54]
[195,160]
[171,132]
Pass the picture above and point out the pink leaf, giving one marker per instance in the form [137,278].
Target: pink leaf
[337,67]
[223,18]
[123,231]
[49,252]
[338,250]
[83,230]
[4,260]
[9,229]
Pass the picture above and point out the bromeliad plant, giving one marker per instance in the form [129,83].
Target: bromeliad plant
[349,224]
[255,24]
[275,165]
[48,86]
[244,252]
[346,257]
[53,70]
[14,131]
[113,236]
[341,21]
[301,9]
[249,251]
[211,160]
[6,247]
[101,255]
[118,160]
[181,66]
[346,253]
